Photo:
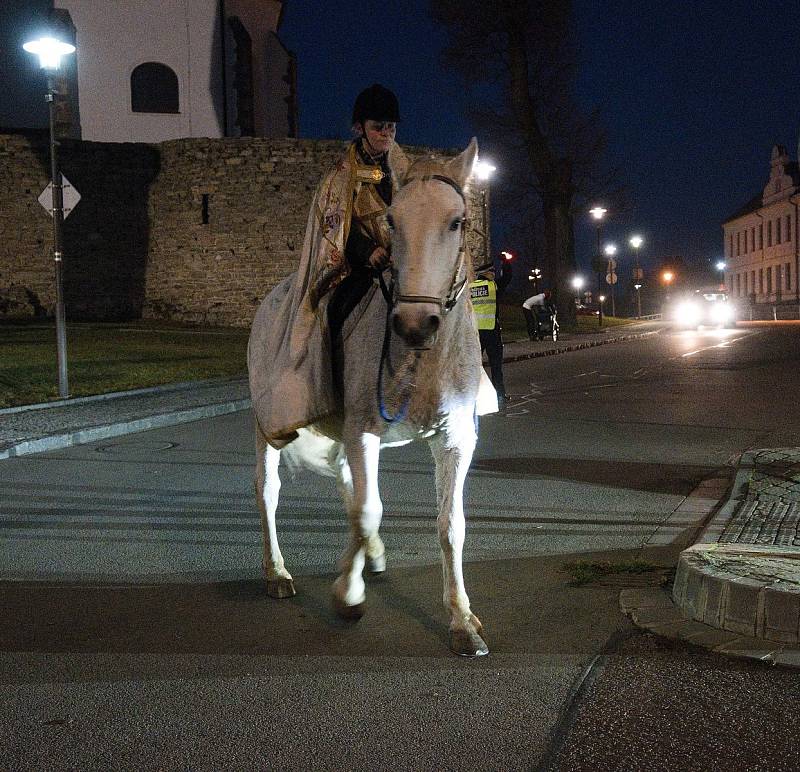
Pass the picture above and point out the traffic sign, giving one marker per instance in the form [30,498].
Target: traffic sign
[611,278]
[69,195]
[612,264]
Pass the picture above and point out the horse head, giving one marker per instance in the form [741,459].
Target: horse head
[427,221]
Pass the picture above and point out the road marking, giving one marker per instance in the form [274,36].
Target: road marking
[724,344]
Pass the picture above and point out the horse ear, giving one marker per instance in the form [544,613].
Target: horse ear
[460,167]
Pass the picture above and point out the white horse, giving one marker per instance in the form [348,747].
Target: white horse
[429,356]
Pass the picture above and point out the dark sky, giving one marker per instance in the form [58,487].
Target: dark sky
[693,95]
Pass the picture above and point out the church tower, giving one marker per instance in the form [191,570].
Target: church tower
[155,70]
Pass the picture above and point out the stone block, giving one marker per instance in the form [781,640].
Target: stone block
[649,617]
[645,597]
[781,617]
[742,607]
[787,658]
[749,648]
[715,599]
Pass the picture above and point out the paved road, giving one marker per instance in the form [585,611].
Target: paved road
[136,634]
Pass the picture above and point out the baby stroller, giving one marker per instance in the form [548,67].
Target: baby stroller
[546,323]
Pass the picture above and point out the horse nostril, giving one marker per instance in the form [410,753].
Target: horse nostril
[432,323]
[397,325]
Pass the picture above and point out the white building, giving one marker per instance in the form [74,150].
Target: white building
[761,239]
[154,70]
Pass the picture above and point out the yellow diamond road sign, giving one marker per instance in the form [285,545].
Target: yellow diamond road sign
[69,195]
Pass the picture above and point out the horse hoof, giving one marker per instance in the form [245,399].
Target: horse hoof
[376,565]
[350,613]
[281,587]
[467,644]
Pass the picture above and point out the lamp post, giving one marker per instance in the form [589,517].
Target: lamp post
[577,285]
[721,265]
[601,299]
[535,277]
[636,241]
[49,50]
[611,277]
[483,170]
[598,213]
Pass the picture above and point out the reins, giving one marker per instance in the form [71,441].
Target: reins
[392,297]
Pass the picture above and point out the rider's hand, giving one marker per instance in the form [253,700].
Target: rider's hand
[379,259]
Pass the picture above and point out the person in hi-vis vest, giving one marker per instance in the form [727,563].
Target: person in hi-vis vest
[484,292]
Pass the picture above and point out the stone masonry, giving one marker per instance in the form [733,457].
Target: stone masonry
[195,230]
[105,238]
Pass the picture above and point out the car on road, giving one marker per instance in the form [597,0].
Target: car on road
[703,308]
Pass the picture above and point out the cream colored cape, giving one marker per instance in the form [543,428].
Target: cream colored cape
[288,356]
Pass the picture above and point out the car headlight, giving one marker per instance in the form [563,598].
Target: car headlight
[721,313]
[688,313]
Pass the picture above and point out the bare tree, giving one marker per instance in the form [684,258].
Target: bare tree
[519,54]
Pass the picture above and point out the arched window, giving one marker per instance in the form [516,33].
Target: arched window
[154,89]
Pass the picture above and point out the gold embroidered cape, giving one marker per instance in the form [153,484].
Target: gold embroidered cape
[289,358]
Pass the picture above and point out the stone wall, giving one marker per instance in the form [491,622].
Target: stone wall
[195,230]
[106,236]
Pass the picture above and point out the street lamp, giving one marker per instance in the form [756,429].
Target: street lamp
[577,285]
[636,241]
[598,213]
[601,299]
[483,170]
[535,276]
[49,50]
[611,277]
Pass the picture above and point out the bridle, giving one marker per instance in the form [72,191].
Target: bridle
[392,294]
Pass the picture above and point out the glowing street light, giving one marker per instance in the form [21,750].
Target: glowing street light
[667,277]
[577,282]
[483,170]
[50,50]
[636,242]
[611,277]
[721,265]
[598,212]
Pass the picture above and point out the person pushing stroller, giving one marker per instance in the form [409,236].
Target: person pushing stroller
[540,312]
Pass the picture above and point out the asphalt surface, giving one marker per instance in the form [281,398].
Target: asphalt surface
[137,634]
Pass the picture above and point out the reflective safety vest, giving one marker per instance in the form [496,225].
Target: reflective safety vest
[484,300]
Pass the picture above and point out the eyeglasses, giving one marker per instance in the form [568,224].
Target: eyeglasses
[380,126]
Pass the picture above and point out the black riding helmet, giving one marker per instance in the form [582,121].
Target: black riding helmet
[376,103]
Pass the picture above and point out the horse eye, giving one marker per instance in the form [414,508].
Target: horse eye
[390,221]
[456,224]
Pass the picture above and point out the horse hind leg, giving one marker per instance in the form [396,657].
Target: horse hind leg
[374,548]
[268,485]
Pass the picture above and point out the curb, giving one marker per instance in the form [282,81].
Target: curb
[58,441]
[163,389]
[709,589]
[652,609]
[578,346]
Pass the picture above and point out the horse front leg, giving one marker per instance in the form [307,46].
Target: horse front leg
[364,511]
[268,486]
[452,451]
[375,551]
